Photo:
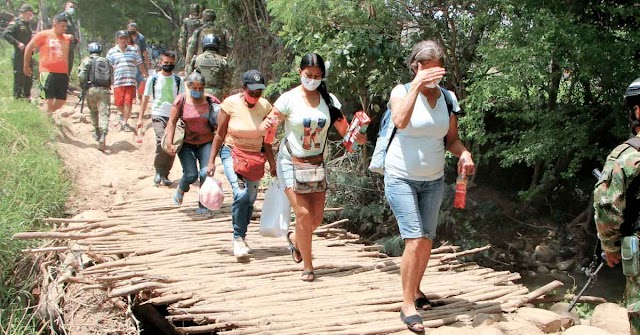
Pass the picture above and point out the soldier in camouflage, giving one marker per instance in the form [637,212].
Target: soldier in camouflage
[189,25]
[97,96]
[616,206]
[18,33]
[208,27]
[212,66]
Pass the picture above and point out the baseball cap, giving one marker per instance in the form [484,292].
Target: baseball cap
[121,33]
[132,24]
[26,8]
[254,80]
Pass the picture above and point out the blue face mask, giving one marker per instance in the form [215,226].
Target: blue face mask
[196,94]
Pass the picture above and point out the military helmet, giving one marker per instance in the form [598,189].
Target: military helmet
[632,99]
[194,8]
[208,15]
[94,48]
[210,41]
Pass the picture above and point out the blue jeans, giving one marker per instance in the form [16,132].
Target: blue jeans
[415,204]
[245,193]
[190,155]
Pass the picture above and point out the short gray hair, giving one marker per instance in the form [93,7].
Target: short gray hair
[427,50]
[195,77]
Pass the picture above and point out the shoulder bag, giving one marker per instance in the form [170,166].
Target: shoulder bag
[178,135]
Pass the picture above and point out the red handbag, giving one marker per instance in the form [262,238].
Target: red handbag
[249,164]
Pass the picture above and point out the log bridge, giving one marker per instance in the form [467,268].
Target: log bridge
[148,253]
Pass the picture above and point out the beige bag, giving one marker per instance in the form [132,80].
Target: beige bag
[178,138]
[178,135]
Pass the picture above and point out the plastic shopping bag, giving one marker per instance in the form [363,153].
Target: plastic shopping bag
[211,195]
[276,212]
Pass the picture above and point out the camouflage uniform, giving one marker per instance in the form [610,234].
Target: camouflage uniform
[19,31]
[97,98]
[610,199]
[195,42]
[189,25]
[214,69]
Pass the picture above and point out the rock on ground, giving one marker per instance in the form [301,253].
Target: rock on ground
[612,318]
[547,321]
[586,330]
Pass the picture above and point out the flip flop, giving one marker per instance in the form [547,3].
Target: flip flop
[310,276]
[423,303]
[178,197]
[412,321]
[293,249]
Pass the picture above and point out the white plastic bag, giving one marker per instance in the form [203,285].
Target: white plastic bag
[276,212]
[211,195]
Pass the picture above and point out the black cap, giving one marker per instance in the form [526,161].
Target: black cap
[26,8]
[122,33]
[254,80]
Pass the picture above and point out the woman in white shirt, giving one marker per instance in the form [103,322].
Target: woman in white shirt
[414,168]
[307,111]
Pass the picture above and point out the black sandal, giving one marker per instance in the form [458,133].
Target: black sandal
[423,303]
[310,276]
[412,321]
[294,250]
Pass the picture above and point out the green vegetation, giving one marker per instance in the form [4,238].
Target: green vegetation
[33,186]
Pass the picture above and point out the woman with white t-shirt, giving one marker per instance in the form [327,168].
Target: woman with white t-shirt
[414,168]
[307,111]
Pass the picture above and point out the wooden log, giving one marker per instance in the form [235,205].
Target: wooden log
[464,253]
[70,236]
[60,220]
[134,289]
[568,297]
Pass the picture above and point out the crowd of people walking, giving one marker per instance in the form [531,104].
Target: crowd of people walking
[199,117]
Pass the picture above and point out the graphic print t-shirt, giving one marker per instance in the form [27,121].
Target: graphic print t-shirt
[54,51]
[166,92]
[305,127]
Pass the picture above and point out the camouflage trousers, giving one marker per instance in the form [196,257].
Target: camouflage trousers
[97,100]
[632,302]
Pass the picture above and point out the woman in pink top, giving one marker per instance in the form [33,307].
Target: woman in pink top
[194,109]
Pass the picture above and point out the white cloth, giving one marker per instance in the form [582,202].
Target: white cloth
[417,151]
[304,124]
[166,93]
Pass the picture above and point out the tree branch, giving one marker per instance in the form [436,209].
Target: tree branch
[164,13]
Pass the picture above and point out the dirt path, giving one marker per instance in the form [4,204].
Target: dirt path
[123,170]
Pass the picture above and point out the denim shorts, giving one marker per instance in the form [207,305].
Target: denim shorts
[415,204]
[284,168]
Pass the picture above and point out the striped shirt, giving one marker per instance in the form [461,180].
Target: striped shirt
[125,65]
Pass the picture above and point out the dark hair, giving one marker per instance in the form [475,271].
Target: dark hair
[313,59]
[169,53]
[60,18]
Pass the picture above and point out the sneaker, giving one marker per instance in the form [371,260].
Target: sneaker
[157,179]
[126,128]
[247,247]
[166,181]
[202,211]
[238,248]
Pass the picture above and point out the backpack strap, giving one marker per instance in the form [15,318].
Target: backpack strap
[395,129]
[178,82]
[634,142]
[91,76]
[153,86]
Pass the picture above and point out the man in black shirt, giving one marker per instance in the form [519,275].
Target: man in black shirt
[18,33]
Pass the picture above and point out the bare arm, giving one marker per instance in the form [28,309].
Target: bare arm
[455,146]
[171,129]
[28,52]
[402,108]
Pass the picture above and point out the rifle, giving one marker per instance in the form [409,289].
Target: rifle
[596,265]
[81,101]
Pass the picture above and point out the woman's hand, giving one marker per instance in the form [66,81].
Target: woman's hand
[171,150]
[273,171]
[211,169]
[427,75]
[361,138]
[465,164]
[267,123]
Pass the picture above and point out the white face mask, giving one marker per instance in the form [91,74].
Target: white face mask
[433,84]
[71,10]
[310,84]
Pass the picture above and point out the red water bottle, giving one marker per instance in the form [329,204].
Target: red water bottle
[270,134]
[460,199]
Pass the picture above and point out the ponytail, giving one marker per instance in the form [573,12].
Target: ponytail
[333,111]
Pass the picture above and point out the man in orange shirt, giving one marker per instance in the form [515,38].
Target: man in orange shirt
[53,45]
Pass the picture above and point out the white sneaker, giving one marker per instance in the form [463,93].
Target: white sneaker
[247,247]
[239,249]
